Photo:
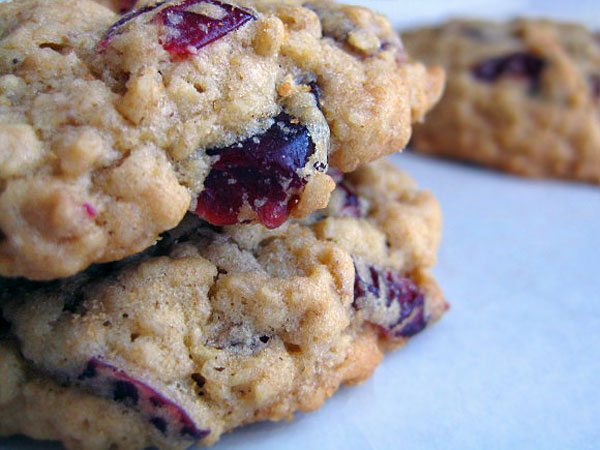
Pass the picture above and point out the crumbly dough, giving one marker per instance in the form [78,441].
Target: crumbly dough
[223,326]
[544,124]
[107,122]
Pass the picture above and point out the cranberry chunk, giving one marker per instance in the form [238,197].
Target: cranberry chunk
[260,172]
[168,417]
[126,5]
[4,326]
[518,65]
[351,205]
[395,303]
[89,210]
[188,31]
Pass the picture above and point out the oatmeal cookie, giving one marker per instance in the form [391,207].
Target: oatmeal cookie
[522,96]
[214,328]
[112,127]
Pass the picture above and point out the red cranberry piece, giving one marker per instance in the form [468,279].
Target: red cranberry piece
[190,31]
[126,5]
[90,210]
[164,414]
[316,90]
[351,202]
[519,65]
[114,28]
[260,172]
[187,31]
[4,327]
[377,289]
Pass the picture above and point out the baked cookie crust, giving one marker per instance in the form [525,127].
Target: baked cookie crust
[214,328]
[113,127]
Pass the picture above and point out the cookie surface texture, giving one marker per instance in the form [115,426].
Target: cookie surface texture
[214,328]
[112,127]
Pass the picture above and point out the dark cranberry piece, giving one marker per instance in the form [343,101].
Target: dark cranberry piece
[519,65]
[190,31]
[187,31]
[89,371]
[164,414]
[316,90]
[126,5]
[199,379]
[260,172]
[595,85]
[472,32]
[124,391]
[376,289]
[114,28]
[90,210]
[160,424]
[4,326]
[351,205]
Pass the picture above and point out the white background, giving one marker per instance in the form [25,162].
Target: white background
[515,364]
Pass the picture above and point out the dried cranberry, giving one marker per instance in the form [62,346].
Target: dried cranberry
[316,90]
[472,31]
[379,289]
[186,31]
[351,204]
[90,210]
[260,172]
[164,414]
[126,5]
[519,65]
[189,31]
[4,326]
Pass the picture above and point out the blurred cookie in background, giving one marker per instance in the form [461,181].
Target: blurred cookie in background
[521,96]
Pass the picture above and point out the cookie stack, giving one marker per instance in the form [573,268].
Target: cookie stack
[193,235]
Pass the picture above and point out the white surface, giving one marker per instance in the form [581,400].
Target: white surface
[515,364]
[410,14]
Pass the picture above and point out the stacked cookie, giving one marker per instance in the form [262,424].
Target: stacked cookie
[191,240]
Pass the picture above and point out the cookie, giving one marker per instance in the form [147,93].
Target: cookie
[522,96]
[113,127]
[216,327]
